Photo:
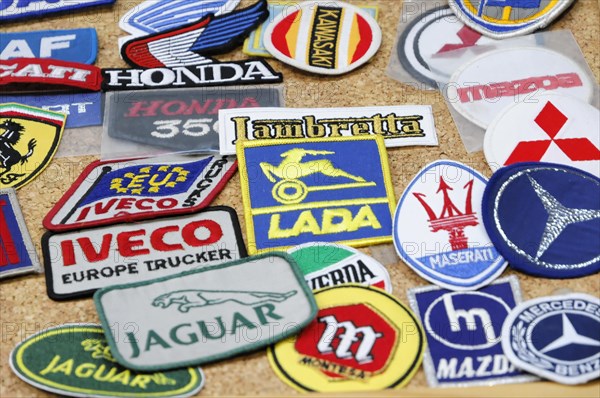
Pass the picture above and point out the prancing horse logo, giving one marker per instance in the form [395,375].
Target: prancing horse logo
[9,156]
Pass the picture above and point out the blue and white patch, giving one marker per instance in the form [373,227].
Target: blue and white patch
[74,45]
[544,218]
[463,334]
[438,229]
[16,9]
[557,338]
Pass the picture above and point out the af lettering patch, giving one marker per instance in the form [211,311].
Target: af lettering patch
[555,337]
[326,189]
[511,75]
[439,231]
[29,139]
[124,191]
[544,218]
[207,314]
[363,339]
[74,360]
[18,9]
[181,120]
[329,264]
[80,262]
[17,252]
[463,332]
[404,125]
[324,37]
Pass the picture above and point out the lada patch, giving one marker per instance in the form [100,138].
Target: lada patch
[463,332]
[325,189]
[181,120]
[363,339]
[544,218]
[555,337]
[324,37]
[17,252]
[18,9]
[439,231]
[124,191]
[404,125]
[74,360]
[329,264]
[80,262]
[207,314]
[29,139]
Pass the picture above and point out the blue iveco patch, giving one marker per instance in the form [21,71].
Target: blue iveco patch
[544,219]
[15,9]
[74,45]
[463,334]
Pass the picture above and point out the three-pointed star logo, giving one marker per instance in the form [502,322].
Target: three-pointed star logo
[569,336]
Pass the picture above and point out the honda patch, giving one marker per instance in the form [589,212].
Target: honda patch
[17,9]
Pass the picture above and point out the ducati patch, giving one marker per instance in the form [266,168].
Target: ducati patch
[438,228]
[75,360]
[80,262]
[508,18]
[325,189]
[207,314]
[544,218]
[324,37]
[362,339]
[463,332]
[17,252]
[405,125]
[181,120]
[17,9]
[125,191]
[328,264]
[554,129]
[555,337]
[28,142]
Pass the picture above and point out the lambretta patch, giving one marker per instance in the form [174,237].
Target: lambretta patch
[77,263]
[206,314]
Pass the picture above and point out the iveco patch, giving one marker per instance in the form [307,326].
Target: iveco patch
[16,9]
[325,37]
[438,228]
[544,218]
[28,142]
[206,314]
[555,337]
[329,264]
[74,360]
[403,125]
[362,339]
[181,120]
[335,189]
[463,332]
[17,253]
[507,18]
[125,191]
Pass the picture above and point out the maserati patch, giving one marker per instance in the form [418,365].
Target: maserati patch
[17,9]
[207,314]
[335,189]
[438,228]
[362,339]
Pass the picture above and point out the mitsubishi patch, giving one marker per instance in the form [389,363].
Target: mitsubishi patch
[19,9]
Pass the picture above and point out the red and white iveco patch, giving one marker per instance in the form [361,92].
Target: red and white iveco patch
[80,262]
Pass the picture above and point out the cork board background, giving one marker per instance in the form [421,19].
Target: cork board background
[25,308]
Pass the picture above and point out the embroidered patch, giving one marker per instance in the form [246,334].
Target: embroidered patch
[207,314]
[324,37]
[555,337]
[192,44]
[326,189]
[508,18]
[17,9]
[75,360]
[29,141]
[80,262]
[328,264]
[362,339]
[181,120]
[125,191]
[463,332]
[400,125]
[544,218]
[17,253]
